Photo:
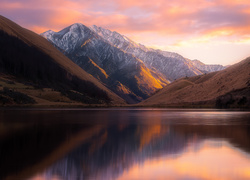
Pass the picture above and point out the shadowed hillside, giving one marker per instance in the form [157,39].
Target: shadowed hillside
[30,59]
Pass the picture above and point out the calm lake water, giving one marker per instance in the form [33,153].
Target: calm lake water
[124,144]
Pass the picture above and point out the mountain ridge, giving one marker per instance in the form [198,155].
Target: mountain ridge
[162,61]
[206,68]
[137,50]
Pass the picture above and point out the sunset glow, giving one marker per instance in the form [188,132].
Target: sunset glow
[213,31]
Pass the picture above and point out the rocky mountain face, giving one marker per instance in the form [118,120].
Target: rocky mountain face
[205,68]
[171,65]
[122,72]
[131,70]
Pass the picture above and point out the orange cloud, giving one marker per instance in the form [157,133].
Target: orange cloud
[162,16]
[69,16]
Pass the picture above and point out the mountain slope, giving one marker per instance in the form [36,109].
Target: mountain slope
[224,89]
[207,67]
[29,58]
[171,65]
[122,72]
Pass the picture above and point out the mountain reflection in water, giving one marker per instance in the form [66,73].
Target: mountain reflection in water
[124,144]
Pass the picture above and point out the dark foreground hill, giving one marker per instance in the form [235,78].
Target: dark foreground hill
[229,88]
[32,71]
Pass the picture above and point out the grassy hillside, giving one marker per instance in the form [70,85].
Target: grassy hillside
[229,88]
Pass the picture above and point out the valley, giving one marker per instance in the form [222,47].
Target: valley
[83,66]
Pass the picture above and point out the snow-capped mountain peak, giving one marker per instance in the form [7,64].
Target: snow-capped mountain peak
[48,34]
[116,39]
[70,37]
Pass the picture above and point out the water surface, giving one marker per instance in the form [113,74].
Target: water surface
[124,144]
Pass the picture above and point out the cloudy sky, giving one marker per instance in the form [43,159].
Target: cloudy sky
[213,31]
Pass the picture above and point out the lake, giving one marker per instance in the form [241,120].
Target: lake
[124,143]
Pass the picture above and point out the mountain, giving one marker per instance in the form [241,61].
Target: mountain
[131,70]
[34,71]
[122,72]
[207,67]
[223,89]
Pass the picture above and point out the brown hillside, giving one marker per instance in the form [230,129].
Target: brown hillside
[226,88]
[31,58]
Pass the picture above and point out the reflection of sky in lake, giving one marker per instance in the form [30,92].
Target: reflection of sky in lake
[208,162]
[144,145]
[211,160]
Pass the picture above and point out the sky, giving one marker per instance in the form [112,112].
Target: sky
[212,31]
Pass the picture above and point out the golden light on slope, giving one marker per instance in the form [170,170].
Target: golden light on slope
[102,70]
[147,81]
[121,88]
